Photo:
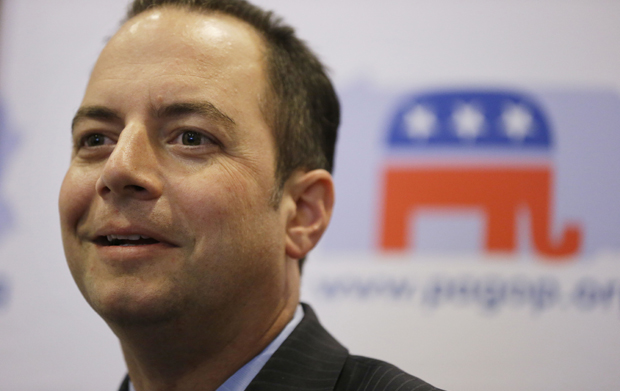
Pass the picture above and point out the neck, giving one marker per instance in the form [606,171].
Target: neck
[201,352]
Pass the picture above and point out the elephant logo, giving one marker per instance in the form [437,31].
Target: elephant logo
[474,126]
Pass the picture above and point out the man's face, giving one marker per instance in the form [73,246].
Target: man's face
[166,208]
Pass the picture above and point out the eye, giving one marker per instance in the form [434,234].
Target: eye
[193,138]
[95,140]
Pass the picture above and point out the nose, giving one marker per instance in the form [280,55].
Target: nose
[131,169]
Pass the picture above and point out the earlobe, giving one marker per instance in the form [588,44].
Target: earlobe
[313,195]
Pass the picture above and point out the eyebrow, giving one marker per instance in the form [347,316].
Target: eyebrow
[205,109]
[202,108]
[95,112]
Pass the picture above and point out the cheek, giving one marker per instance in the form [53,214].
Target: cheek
[223,190]
[220,208]
[205,203]
[76,193]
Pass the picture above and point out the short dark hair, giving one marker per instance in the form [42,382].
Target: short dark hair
[303,108]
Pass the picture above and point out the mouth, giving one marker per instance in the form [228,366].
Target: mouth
[125,240]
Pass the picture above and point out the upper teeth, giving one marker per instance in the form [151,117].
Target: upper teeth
[126,237]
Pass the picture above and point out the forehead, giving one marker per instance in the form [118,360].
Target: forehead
[176,32]
[176,46]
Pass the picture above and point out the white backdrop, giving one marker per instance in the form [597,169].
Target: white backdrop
[456,315]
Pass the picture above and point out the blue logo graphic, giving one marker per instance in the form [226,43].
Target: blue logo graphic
[4,291]
[7,144]
[469,118]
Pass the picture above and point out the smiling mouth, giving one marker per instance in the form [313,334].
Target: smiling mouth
[125,240]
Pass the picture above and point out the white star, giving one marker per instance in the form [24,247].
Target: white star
[517,121]
[420,121]
[469,121]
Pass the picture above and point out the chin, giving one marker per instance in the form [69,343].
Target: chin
[123,304]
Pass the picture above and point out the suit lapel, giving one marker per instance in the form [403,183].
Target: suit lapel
[125,384]
[310,358]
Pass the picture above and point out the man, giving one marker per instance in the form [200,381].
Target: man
[199,179]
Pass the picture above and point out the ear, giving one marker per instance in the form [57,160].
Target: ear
[312,193]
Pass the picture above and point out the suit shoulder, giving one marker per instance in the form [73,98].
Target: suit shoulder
[363,373]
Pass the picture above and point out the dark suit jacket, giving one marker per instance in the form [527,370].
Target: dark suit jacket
[311,359]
